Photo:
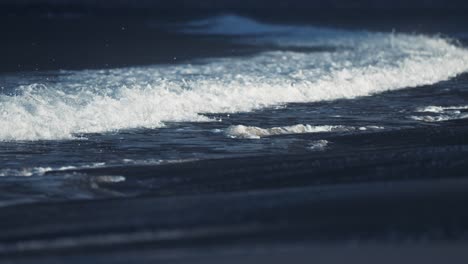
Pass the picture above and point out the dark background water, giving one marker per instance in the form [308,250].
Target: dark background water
[48,35]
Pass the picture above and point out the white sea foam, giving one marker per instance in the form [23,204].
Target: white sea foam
[109,179]
[441,113]
[252,132]
[24,172]
[440,118]
[39,171]
[441,109]
[146,162]
[318,145]
[107,100]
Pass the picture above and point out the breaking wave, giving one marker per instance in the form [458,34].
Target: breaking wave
[361,64]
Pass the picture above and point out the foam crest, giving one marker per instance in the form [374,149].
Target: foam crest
[81,102]
[440,118]
[441,109]
[441,113]
[252,132]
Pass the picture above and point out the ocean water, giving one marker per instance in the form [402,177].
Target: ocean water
[317,133]
[319,81]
